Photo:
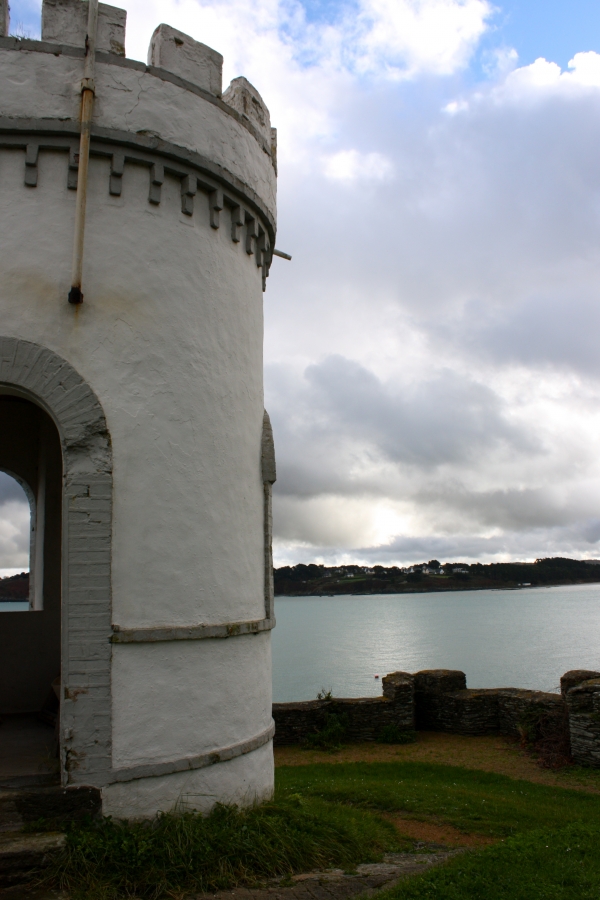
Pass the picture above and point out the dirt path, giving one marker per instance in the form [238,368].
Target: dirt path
[335,884]
[491,753]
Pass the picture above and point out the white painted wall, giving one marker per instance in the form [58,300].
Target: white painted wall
[41,84]
[210,694]
[242,781]
[170,339]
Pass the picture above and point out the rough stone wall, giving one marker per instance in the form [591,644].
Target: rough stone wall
[438,700]
[517,706]
[583,701]
[443,703]
[430,685]
[4,18]
[365,716]
[574,677]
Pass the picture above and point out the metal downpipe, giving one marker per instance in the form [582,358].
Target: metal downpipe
[88,89]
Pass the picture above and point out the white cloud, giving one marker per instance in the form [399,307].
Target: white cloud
[542,76]
[408,37]
[389,37]
[14,535]
[14,526]
[434,347]
[351,166]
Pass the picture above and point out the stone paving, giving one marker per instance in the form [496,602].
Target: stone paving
[335,884]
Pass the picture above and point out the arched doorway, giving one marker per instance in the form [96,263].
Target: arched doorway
[53,436]
[30,639]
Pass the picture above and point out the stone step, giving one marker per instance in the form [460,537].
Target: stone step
[22,855]
[52,807]
[46,779]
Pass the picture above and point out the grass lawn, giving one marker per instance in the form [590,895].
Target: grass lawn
[547,839]
[553,864]
[490,753]
[471,801]
[523,840]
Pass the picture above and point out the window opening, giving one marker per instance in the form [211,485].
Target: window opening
[17,544]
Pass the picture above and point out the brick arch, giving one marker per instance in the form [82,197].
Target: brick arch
[40,375]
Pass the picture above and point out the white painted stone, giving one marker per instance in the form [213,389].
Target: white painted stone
[179,53]
[169,338]
[43,85]
[190,683]
[243,96]
[189,402]
[242,781]
[4,18]
[65,22]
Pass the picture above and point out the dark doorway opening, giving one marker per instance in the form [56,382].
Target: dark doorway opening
[30,639]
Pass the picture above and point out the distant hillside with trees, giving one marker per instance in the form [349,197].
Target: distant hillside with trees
[313,580]
[15,587]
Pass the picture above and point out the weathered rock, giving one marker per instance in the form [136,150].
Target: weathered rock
[364,718]
[431,685]
[517,708]
[574,677]
[583,702]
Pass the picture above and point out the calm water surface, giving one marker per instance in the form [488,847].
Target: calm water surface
[525,638]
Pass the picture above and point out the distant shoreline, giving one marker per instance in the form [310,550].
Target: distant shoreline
[432,577]
[449,590]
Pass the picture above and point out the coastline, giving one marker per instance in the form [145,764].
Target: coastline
[434,590]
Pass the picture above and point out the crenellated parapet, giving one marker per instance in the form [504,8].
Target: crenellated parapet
[169,117]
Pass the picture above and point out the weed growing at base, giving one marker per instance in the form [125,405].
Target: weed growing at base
[393,734]
[176,853]
[561,864]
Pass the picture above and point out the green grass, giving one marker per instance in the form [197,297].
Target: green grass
[472,801]
[107,859]
[330,815]
[561,864]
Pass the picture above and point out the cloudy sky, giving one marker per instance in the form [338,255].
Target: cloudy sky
[431,360]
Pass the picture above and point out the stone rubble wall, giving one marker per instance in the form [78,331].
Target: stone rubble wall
[583,702]
[439,700]
[365,716]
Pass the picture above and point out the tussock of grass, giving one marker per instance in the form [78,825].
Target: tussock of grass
[561,864]
[107,859]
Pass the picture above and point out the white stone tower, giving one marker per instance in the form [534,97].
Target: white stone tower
[135,418]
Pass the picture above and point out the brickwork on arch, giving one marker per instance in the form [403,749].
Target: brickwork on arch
[43,377]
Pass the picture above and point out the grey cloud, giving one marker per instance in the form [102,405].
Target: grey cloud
[479,257]
[446,419]
[340,411]
[11,490]
[509,508]
[557,330]
[492,222]
[405,549]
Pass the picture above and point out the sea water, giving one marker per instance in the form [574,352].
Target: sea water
[523,638]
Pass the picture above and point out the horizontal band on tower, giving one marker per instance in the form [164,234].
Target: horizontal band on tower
[189,633]
[42,133]
[28,45]
[251,224]
[188,763]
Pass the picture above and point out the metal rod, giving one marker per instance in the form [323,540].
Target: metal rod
[281,254]
[88,89]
